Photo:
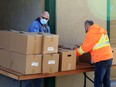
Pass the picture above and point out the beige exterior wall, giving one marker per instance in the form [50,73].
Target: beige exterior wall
[113,9]
[113,31]
[113,22]
[70,17]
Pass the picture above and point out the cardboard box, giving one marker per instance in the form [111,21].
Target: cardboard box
[67,60]
[5,58]
[26,64]
[50,63]
[86,57]
[50,43]
[26,43]
[114,55]
[5,39]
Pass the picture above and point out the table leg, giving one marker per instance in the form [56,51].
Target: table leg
[20,83]
[85,76]
[84,79]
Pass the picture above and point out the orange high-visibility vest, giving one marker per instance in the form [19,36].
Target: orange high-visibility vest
[97,43]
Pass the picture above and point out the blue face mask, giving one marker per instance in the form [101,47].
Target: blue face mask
[43,21]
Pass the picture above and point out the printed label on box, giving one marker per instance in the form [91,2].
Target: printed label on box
[34,64]
[50,48]
[51,62]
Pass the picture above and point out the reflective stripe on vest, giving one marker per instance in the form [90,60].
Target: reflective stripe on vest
[104,41]
[80,50]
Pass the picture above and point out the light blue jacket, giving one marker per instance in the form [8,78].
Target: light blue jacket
[36,26]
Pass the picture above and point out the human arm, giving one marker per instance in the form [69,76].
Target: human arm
[34,27]
[90,40]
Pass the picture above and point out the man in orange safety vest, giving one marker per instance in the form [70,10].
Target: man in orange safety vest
[97,43]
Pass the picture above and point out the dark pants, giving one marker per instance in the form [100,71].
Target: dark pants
[35,83]
[102,73]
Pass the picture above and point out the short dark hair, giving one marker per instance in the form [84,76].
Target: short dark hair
[89,22]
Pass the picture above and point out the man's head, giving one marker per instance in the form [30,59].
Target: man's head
[88,24]
[44,18]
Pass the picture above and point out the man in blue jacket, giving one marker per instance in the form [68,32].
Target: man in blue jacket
[40,25]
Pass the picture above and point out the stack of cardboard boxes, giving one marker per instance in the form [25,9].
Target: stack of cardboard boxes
[28,53]
[19,52]
[50,53]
